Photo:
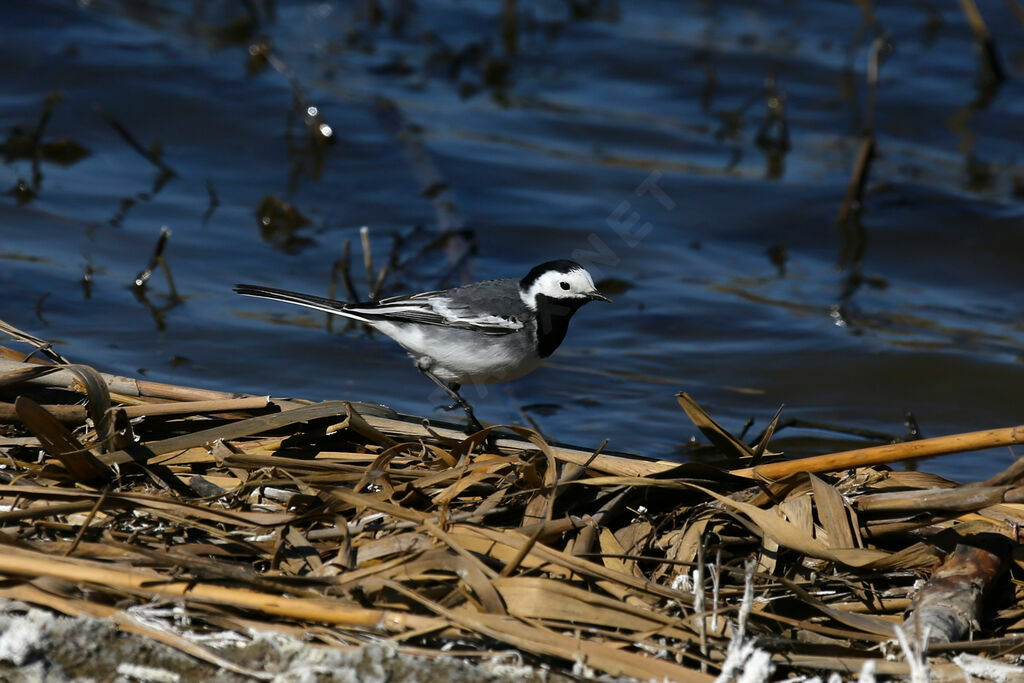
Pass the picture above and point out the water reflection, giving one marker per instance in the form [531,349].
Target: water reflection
[29,144]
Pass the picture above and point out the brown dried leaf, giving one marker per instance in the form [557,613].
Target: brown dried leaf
[59,442]
[834,514]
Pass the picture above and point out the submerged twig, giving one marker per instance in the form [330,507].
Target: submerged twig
[341,268]
[375,281]
[344,266]
[854,197]
[364,238]
[213,202]
[151,155]
[157,259]
[991,66]
[154,260]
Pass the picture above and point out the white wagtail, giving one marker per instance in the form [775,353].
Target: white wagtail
[480,333]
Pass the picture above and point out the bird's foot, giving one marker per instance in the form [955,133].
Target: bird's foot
[489,442]
[474,426]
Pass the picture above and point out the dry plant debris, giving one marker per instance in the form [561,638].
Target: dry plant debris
[344,524]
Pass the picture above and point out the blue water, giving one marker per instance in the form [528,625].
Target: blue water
[540,153]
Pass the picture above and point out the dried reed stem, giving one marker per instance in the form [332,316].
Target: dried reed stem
[878,455]
[27,563]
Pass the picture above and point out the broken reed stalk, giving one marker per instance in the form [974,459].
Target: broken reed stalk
[172,290]
[342,269]
[125,386]
[949,604]
[879,455]
[957,499]
[155,259]
[149,154]
[345,268]
[364,236]
[41,346]
[854,197]
[28,563]
[374,282]
[77,414]
[379,283]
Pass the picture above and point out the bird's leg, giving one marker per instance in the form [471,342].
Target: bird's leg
[450,406]
[455,387]
[453,391]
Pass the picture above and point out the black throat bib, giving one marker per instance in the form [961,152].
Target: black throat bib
[553,321]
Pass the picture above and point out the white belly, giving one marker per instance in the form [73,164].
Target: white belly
[465,356]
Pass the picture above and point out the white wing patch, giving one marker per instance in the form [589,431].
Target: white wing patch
[430,309]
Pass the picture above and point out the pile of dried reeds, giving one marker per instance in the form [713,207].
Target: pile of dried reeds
[345,523]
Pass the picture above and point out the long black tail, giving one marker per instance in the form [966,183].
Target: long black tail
[308,300]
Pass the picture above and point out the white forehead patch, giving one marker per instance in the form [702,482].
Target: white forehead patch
[575,284]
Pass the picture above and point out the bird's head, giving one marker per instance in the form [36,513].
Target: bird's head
[563,282]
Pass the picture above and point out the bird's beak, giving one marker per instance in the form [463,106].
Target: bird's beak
[598,296]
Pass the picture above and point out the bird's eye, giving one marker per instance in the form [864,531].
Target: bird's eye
[563,285]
